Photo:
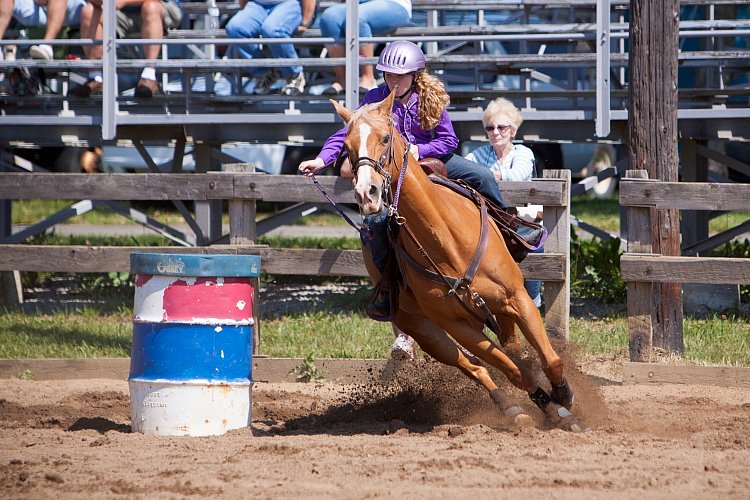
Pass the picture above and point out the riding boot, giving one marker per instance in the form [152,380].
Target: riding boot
[381,308]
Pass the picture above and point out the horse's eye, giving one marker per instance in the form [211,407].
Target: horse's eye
[386,139]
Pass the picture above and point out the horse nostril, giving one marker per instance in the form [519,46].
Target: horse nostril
[373,191]
[358,197]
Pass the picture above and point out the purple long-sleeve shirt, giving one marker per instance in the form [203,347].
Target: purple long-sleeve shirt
[431,143]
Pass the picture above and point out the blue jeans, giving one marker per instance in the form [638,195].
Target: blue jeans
[273,21]
[376,17]
[378,244]
[28,13]
[480,178]
[533,287]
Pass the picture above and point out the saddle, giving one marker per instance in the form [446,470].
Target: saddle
[507,219]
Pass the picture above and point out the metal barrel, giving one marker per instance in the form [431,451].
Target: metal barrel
[191,360]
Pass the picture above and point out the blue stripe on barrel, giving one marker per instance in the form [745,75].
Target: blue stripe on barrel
[188,352]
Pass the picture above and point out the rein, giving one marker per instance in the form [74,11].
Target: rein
[363,231]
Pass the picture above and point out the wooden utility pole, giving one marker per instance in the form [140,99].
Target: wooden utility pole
[652,125]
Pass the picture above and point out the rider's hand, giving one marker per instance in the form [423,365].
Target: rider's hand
[307,167]
[414,150]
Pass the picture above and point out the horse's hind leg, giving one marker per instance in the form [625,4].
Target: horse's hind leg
[530,322]
[435,342]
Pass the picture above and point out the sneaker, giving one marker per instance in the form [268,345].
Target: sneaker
[535,237]
[403,348]
[91,87]
[264,82]
[9,53]
[295,85]
[146,88]
[41,51]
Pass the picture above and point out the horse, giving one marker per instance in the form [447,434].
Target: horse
[439,232]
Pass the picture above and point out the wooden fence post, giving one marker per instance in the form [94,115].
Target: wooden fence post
[557,293]
[640,294]
[243,231]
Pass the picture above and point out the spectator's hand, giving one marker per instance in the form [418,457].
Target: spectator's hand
[414,150]
[308,166]
[41,3]
[303,26]
[498,176]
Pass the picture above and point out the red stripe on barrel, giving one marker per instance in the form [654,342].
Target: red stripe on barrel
[227,298]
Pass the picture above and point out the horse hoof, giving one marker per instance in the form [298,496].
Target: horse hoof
[519,419]
[562,394]
[565,420]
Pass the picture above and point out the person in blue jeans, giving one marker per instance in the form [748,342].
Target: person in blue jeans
[425,124]
[272,19]
[376,17]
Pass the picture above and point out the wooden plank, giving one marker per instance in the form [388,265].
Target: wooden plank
[65,369]
[557,293]
[685,195]
[640,295]
[14,186]
[347,371]
[655,373]
[296,261]
[225,185]
[667,269]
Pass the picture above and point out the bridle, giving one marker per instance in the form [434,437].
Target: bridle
[390,199]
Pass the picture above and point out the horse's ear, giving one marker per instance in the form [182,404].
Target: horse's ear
[344,113]
[386,105]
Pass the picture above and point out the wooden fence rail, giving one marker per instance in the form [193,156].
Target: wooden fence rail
[641,268]
[242,190]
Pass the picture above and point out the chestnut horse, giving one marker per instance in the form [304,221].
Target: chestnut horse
[439,231]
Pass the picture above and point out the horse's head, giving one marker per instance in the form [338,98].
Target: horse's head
[369,142]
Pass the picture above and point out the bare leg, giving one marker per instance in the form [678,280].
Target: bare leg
[367,78]
[338,71]
[6,11]
[91,27]
[55,18]
[152,26]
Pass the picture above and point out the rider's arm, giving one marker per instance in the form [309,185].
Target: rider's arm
[443,139]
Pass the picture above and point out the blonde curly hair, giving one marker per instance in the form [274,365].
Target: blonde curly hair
[433,99]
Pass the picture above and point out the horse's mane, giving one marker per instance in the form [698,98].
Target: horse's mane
[365,113]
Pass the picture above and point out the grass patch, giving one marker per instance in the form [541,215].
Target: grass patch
[86,332]
[81,333]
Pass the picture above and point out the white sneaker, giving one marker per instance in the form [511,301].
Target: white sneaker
[41,51]
[402,348]
[295,85]
[9,53]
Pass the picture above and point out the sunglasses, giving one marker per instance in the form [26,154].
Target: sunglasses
[499,128]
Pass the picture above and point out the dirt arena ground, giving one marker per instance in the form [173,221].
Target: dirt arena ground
[427,433]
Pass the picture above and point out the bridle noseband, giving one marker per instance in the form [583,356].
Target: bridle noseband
[379,167]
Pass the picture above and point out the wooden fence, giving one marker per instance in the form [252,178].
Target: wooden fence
[641,268]
[242,190]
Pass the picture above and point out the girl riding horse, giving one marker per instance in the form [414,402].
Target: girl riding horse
[449,285]
[420,116]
